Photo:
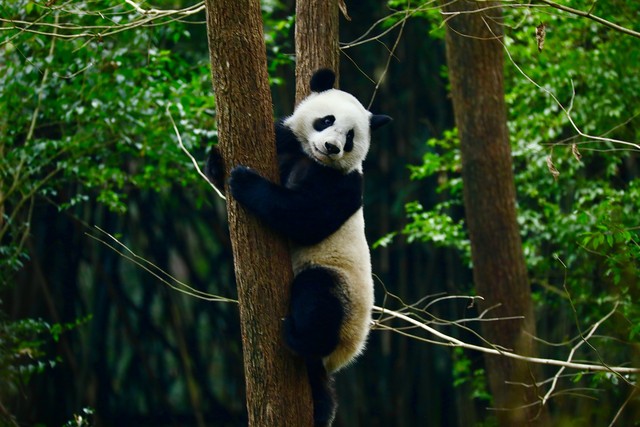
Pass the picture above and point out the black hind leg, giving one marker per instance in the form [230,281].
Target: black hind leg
[313,326]
[324,399]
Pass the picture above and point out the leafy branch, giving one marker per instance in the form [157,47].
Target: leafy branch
[591,16]
[67,30]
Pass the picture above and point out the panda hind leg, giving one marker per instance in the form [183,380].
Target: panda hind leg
[312,327]
[323,393]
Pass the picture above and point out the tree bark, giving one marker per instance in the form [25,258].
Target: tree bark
[316,39]
[475,60]
[276,382]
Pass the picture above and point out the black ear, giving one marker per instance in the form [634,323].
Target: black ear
[378,120]
[323,79]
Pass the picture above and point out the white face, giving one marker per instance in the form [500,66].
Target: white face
[333,128]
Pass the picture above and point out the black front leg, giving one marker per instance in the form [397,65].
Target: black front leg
[279,207]
[305,215]
[251,190]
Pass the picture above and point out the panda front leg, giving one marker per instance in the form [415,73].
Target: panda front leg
[279,207]
[214,169]
[312,330]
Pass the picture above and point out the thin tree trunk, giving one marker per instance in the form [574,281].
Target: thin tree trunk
[475,59]
[316,38]
[276,382]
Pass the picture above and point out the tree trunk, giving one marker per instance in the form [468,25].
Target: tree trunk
[475,60]
[316,35]
[277,389]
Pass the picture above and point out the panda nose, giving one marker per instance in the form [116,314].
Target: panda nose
[331,148]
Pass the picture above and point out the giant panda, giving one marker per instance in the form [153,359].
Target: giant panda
[318,207]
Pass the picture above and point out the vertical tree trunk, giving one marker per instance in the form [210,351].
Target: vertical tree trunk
[475,59]
[276,382]
[316,35]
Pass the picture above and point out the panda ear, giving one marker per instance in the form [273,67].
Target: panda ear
[378,120]
[323,79]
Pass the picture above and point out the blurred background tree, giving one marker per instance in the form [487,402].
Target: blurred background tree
[85,140]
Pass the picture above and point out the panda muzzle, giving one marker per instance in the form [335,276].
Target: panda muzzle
[331,148]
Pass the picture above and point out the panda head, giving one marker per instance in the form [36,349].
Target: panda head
[332,126]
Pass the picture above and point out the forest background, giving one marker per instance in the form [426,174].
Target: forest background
[87,143]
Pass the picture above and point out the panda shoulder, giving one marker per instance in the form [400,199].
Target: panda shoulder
[286,140]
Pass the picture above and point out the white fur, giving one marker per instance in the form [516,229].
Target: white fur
[346,253]
[349,114]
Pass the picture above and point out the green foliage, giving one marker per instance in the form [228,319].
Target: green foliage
[278,29]
[81,420]
[22,352]
[473,379]
[86,117]
[578,196]
[586,214]
[464,373]
[432,226]
[86,91]
[437,225]
[421,9]
[443,158]
[84,120]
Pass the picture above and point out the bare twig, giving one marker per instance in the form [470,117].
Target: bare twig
[573,350]
[45,76]
[549,3]
[449,341]
[195,163]
[634,391]
[169,280]
[386,66]
[567,111]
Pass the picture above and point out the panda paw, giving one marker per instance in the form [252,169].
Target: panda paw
[245,184]
[214,169]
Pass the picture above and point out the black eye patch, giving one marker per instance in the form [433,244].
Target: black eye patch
[348,145]
[323,122]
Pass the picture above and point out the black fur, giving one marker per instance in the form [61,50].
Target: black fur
[313,201]
[312,328]
[214,169]
[348,145]
[322,80]
[323,393]
[378,120]
[322,123]
[298,208]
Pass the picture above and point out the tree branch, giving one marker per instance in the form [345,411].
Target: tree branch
[595,18]
[449,341]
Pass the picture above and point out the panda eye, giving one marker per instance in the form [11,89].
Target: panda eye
[348,145]
[323,122]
